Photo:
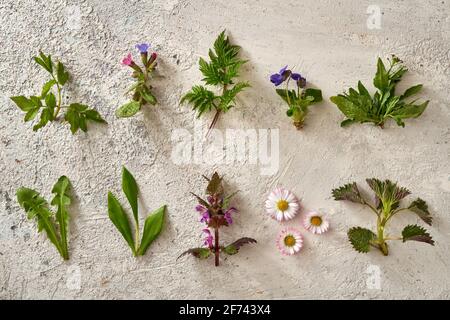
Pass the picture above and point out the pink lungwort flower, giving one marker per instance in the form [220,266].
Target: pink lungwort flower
[209,238]
[128,60]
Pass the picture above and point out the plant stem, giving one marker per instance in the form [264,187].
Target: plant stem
[58,106]
[381,240]
[216,247]
[137,237]
[218,111]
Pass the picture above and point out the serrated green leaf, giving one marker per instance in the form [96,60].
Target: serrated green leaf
[416,233]
[152,228]
[361,238]
[46,117]
[235,246]
[201,99]
[128,110]
[78,114]
[46,88]
[120,219]
[420,208]
[229,96]
[50,101]
[45,62]
[130,188]
[61,74]
[23,103]
[62,201]
[388,194]
[349,192]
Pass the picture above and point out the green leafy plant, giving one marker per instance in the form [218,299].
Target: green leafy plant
[360,106]
[153,223]
[142,90]
[216,212]
[55,224]
[49,103]
[387,205]
[298,99]
[221,71]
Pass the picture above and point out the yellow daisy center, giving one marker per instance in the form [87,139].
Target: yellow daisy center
[316,221]
[289,241]
[282,205]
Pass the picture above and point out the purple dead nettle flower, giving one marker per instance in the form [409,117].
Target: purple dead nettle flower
[228,213]
[205,216]
[209,238]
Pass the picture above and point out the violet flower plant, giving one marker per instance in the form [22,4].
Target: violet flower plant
[216,212]
[142,90]
[297,99]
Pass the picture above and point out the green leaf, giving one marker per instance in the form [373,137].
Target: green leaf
[201,253]
[420,208]
[46,117]
[120,219]
[50,101]
[361,238]
[130,188]
[315,93]
[289,96]
[229,96]
[62,201]
[200,200]
[148,96]
[46,88]
[36,208]
[349,192]
[211,73]
[152,228]
[61,74]
[350,109]
[381,80]
[200,98]
[347,122]
[128,110]
[78,114]
[416,233]
[362,90]
[215,185]
[409,111]
[411,91]
[45,62]
[235,246]
[388,194]
[23,103]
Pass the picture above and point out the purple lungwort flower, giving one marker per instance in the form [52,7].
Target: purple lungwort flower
[280,77]
[204,213]
[143,47]
[209,238]
[228,213]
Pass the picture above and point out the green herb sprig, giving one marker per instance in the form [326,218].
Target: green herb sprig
[387,205]
[153,223]
[221,71]
[360,106]
[50,102]
[55,224]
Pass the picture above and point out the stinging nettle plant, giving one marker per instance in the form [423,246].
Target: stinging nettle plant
[298,99]
[142,90]
[386,205]
[216,212]
[360,106]
[153,223]
[55,224]
[221,72]
[50,104]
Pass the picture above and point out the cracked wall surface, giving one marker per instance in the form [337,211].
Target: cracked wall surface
[328,41]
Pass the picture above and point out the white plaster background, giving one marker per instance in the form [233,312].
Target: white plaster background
[331,43]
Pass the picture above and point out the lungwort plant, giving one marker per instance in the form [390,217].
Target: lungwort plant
[386,205]
[360,106]
[153,223]
[298,99]
[142,90]
[55,224]
[221,72]
[50,102]
[216,212]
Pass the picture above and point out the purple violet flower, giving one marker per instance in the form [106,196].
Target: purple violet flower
[280,77]
[301,82]
[143,47]
[209,238]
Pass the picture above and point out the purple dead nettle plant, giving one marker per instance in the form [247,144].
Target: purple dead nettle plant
[297,99]
[216,212]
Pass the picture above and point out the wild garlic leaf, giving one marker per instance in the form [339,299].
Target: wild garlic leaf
[152,228]
[130,188]
[62,201]
[420,208]
[361,238]
[416,233]
[120,219]
[129,109]
[201,253]
[349,192]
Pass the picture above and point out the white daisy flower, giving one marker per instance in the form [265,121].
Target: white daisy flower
[289,241]
[282,204]
[316,222]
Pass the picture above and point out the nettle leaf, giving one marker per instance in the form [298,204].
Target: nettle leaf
[79,114]
[361,238]
[201,253]
[152,228]
[235,246]
[62,201]
[416,233]
[214,185]
[349,192]
[420,208]
[128,110]
[387,193]
[61,74]
[201,99]
[37,208]
[120,219]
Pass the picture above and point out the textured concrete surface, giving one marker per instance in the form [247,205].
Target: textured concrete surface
[330,43]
